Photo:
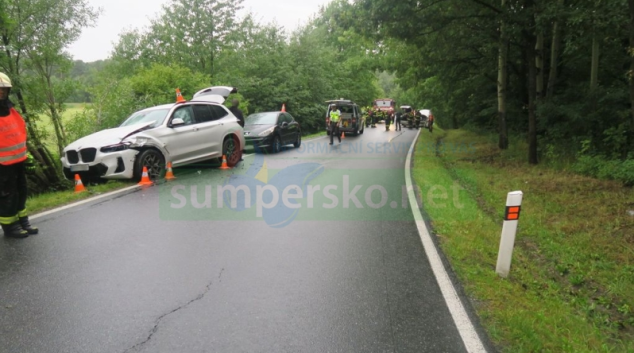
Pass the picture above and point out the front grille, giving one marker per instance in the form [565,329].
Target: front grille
[72,157]
[88,154]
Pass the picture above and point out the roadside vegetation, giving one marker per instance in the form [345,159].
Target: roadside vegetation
[571,285]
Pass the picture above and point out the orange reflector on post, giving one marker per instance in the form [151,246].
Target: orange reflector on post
[512,213]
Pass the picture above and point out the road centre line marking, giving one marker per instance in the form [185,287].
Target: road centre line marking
[464,325]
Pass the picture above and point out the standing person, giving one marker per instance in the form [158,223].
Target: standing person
[397,121]
[335,114]
[13,154]
[237,112]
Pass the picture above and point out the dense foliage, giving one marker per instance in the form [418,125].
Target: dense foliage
[556,73]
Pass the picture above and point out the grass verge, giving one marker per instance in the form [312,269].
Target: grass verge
[571,286]
[47,201]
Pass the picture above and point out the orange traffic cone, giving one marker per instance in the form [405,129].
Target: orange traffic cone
[283,108]
[169,175]
[343,135]
[79,186]
[145,179]
[179,96]
[224,163]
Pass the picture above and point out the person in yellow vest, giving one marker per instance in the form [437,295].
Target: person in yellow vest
[13,154]
[335,115]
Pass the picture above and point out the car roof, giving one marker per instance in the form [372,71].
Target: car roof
[341,102]
[406,107]
[272,111]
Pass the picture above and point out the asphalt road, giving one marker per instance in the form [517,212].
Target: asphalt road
[165,269]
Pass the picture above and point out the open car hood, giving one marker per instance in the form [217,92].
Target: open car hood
[214,94]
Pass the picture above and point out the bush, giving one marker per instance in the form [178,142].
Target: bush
[603,168]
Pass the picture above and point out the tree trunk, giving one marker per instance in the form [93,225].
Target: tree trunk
[631,74]
[49,177]
[594,71]
[531,41]
[503,140]
[555,48]
[56,119]
[539,63]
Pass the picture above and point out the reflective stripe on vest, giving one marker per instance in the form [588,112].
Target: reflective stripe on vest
[12,138]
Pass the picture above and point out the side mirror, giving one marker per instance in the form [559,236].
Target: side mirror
[285,124]
[177,122]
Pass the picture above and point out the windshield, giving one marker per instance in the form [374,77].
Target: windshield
[262,119]
[155,116]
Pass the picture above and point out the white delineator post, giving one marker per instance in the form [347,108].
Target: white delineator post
[509,228]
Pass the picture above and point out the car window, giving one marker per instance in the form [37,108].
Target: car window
[218,112]
[155,116]
[287,118]
[268,118]
[202,112]
[186,114]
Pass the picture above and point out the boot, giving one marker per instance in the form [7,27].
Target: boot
[24,222]
[14,230]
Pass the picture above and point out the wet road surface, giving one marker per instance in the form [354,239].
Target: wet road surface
[136,273]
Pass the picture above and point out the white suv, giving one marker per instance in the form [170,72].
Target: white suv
[182,133]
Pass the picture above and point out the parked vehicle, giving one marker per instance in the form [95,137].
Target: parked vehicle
[387,106]
[352,121]
[412,119]
[428,117]
[272,130]
[181,133]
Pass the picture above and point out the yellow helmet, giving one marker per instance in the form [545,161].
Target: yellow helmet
[5,81]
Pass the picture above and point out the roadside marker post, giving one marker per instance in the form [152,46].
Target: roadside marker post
[509,229]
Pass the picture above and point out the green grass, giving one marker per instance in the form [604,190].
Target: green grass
[571,286]
[317,134]
[47,201]
[45,124]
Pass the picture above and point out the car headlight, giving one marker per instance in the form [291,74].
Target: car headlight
[114,148]
[267,131]
[139,142]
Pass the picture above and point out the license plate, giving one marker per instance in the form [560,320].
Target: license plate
[79,168]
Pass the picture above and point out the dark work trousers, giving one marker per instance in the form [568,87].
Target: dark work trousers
[334,130]
[397,121]
[12,192]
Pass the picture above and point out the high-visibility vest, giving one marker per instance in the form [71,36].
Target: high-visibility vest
[334,115]
[12,138]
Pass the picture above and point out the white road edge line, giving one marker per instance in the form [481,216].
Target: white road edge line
[78,203]
[465,327]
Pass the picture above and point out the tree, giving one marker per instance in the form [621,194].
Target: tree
[34,34]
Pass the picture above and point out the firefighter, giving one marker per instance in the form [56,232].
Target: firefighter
[13,154]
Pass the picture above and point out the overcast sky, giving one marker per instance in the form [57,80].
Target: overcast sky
[96,42]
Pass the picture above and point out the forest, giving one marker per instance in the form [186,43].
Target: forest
[557,74]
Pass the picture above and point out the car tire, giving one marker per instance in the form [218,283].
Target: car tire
[298,140]
[231,150]
[153,160]
[276,146]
